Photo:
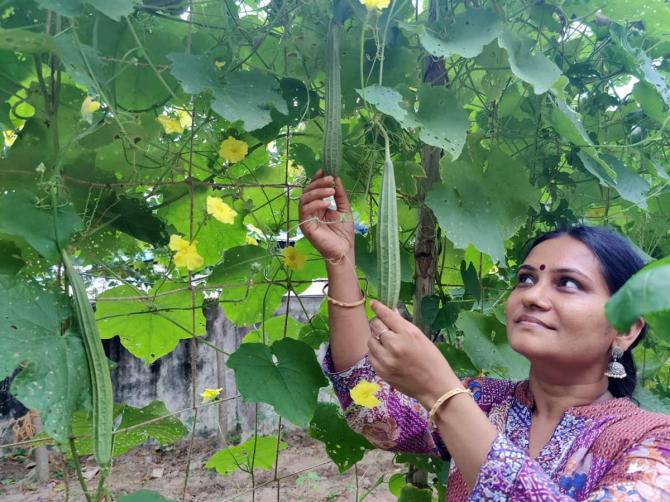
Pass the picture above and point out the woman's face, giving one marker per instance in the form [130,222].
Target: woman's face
[556,312]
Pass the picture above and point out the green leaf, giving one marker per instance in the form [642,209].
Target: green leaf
[466,36]
[396,483]
[151,328]
[655,14]
[134,217]
[274,330]
[412,493]
[257,450]
[483,208]
[246,96]
[529,66]
[650,401]
[25,41]
[442,122]
[641,64]
[79,60]
[643,295]
[630,185]
[20,217]
[164,431]
[196,74]
[390,102]
[651,102]
[285,375]
[240,264]
[458,360]
[68,8]
[145,496]
[10,258]
[115,9]
[471,280]
[344,446]
[568,124]
[54,377]
[485,343]
[316,332]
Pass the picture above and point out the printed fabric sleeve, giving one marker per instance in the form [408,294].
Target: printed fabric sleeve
[398,424]
[642,473]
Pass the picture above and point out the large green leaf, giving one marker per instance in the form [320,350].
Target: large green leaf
[466,36]
[485,343]
[54,378]
[643,295]
[483,208]
[25,41]
[257,451]
[10,258]
[655,14]
[68,8]
[21,217]
[245,96]
[344,446]
[528,64]
[115,9]
[164,431]
[441,121]
[151,328]
[285,375]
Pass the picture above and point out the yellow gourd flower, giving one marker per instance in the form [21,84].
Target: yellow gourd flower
[88,107]
[185,119]
[376,4]
[293,258]
[233,150]
[363,394]
[220,210]
[170,125]
[250,240]
[9,137]
[210,394]
[186,253]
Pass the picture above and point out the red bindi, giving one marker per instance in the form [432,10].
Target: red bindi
[542,267]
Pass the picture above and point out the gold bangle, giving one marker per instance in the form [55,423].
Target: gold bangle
[343,304]
[443,399]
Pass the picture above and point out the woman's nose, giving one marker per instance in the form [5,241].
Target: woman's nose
[537,296]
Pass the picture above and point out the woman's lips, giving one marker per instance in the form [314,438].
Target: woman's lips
[530,320]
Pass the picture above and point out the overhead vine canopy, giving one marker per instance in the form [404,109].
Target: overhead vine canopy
[165,142]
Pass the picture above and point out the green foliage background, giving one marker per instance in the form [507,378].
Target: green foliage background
[551,113]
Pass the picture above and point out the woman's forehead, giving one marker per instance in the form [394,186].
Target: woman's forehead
[564,252]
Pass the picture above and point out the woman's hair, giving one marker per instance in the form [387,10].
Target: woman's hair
[619,260]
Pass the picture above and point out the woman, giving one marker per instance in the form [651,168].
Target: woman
[570,432]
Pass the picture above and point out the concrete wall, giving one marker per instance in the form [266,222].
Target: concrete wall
[169,379]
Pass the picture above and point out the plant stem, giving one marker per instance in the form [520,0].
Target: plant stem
[80,475]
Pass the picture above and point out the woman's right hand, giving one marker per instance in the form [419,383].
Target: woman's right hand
[331,231]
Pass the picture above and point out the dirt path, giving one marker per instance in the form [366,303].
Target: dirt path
[162,470]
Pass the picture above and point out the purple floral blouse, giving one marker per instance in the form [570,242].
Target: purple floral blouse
[610,451]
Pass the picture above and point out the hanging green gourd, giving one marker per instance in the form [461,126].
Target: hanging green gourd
[101,382]
[388,241]
[332,131]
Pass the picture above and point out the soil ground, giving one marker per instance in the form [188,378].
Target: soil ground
[163,469]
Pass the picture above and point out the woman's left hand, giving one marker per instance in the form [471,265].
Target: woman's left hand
[405,358]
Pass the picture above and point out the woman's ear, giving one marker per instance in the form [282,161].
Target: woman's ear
[625,340]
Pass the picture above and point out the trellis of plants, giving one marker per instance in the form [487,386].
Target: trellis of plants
[155,150]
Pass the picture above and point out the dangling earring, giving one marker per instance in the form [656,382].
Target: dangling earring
[614,368]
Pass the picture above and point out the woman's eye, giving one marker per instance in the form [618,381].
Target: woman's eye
[525,279]
[566,282]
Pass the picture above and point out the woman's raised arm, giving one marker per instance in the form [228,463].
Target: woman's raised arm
[331,232]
